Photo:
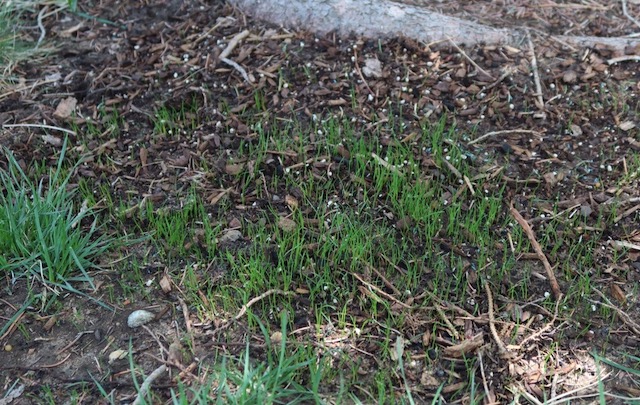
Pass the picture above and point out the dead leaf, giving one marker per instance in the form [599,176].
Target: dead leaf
[627,125]
[143,156]
[465,347]
[51,140]
[234,168]
[372,68]
[569,76]
[276,337]
[618,293]
[65,108]
[286,224]
[575,130]
[428,380]
[551,179]
[230,235]
[291,201]
[165,284]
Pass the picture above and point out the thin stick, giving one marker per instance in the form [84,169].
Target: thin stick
[386,164]
[355,59]
[624,58]
[635,328]
[536,75]
[238,68]
[626,13]
[230,47]
[43,31]
[471,60]
[502,349]
[379,291]
[248,305]
[507,72]
[536,246]
[54,365]
[484,379]
[44,126]
[147,384]
[539,332]
[507,131]
[384,280]
[233,43]
[187,321]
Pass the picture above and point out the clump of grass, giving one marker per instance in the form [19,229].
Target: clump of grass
[42,233]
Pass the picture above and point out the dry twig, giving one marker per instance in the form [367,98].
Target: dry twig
[230,47]
[508,131]
[502,349]
[625,58]
[635,328]
[555,288]
[144,388]
[248,305]
[379,291]
[484,72]
[626,13]
[536,79]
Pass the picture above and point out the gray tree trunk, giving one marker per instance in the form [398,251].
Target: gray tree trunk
[383,18]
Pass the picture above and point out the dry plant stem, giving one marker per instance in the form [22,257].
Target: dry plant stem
[233,43]
[539,332]
[508,131]
[248,305]
[484,72]
[355,59]
[635,328]
[625,245]
[509,70]
[379,291]
[438,304]
[230,47]
[488,393]
[144,388]
[555,288]
[74,341]
[502,349]
[237,67]
[43,31]
[625,58]
[386,164]
[187,321]
[536,75]
[54,365]
[163,349]
[384,280]
[44,126]
[626,13]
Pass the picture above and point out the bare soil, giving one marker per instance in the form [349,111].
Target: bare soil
[573,153]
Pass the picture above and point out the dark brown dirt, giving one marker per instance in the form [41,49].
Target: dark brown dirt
[166,55]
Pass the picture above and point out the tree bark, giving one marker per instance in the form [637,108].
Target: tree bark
[382,18]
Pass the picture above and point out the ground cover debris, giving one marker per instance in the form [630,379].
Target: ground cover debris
[324,219]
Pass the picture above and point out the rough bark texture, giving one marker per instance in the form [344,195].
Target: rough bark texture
[382,18]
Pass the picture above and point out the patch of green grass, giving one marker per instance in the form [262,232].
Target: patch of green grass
[15,46]
[44,234]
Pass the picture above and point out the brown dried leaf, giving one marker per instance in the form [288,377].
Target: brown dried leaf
[569,76]
[144,154]
[234,168]
[165,284]
[291,201]
[65,108]
[286,224]
[618,293]
[466,346]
